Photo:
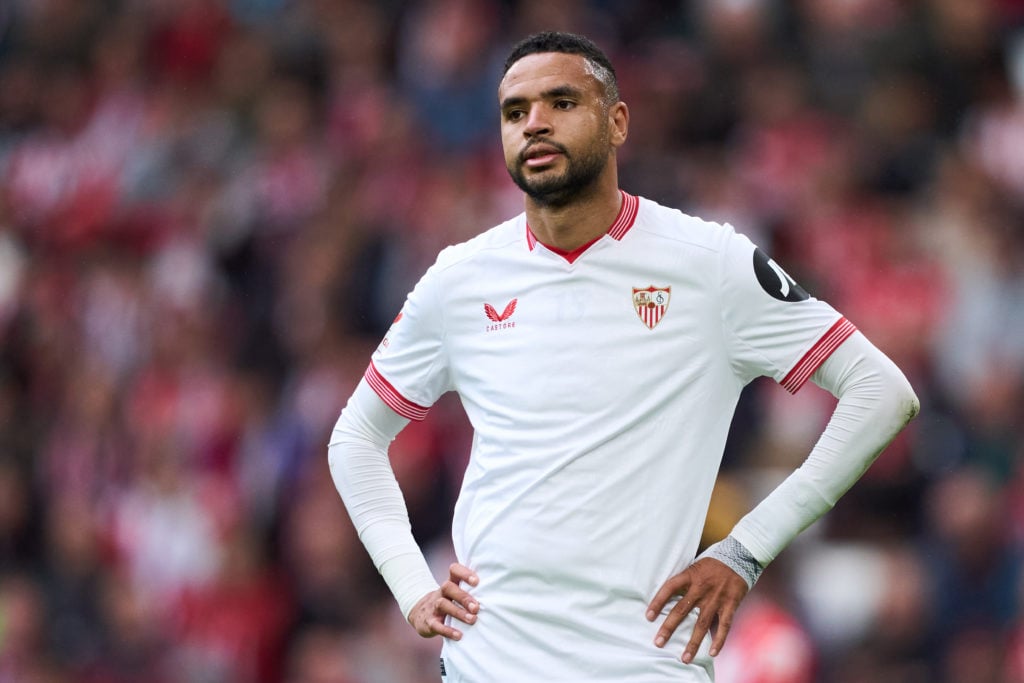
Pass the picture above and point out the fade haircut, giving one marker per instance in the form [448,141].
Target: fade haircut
[597,63]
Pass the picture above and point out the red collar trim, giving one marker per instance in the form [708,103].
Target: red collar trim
[628,211]
[531,240]
[571,256]
[627,216]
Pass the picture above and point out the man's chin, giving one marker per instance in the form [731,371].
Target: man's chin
[547,188]
[541,183]
[548,196]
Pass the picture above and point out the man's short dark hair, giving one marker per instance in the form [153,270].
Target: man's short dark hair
[569,43]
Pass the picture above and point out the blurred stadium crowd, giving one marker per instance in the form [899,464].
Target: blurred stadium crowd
[210,211]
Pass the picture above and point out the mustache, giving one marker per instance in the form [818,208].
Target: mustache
[546,143]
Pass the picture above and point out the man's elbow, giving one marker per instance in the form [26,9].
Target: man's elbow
[898,402]
[908,403]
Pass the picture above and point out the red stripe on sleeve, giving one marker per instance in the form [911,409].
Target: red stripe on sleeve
[821,350]
[398,403]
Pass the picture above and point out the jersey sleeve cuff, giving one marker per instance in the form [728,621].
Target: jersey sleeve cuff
[392,397]
[822,349]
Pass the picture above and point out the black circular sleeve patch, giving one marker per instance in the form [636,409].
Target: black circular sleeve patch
[775,280]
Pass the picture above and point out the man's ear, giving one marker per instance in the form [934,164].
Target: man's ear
[618,119]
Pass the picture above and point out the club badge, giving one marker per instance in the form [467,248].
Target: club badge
[651,303]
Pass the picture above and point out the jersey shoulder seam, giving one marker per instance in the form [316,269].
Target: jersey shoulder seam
[489,240]
[680,238]
[683,227]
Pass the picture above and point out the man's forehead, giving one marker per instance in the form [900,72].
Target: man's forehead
[544,69]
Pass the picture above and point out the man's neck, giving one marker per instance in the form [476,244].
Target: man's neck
[577,223]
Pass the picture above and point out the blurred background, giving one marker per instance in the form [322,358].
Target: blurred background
[211,210]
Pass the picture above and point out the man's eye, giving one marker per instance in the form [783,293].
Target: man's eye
[564,104]
[514,115]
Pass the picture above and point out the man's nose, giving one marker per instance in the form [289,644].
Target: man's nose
[537,123]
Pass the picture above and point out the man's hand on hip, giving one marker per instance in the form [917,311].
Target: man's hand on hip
[428,615]
[709,586]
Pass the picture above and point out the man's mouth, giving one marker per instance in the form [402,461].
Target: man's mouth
[540,154]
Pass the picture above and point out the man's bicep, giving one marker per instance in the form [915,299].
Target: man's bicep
[368,417]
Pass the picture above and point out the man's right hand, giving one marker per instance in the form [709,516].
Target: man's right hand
[428,615]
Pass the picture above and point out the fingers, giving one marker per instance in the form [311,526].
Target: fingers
[705,618]
[675,617]
[700,629]
[717,614]
[430,616]
[456,603]
[459,572]
[677,585]
[438,627]
[724,624]
[465,606]
[713,592]
[427,619]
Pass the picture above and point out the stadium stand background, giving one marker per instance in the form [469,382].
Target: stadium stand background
[210,211]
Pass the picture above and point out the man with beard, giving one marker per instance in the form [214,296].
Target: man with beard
[599,343]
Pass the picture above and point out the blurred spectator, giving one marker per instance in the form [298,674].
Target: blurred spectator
[318,655]
[451,82]
[233,628]
[977,571]
[766,645]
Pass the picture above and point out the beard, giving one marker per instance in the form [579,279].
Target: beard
[580,174]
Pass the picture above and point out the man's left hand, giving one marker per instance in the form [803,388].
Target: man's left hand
[708,585]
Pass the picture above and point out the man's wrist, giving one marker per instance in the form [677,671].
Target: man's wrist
[409,579]
[736,557]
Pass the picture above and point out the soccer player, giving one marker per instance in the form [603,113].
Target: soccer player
[599,343]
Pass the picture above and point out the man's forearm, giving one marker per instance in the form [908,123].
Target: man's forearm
[875,402]
[363,476]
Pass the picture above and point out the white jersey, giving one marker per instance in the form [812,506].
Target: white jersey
[600,385]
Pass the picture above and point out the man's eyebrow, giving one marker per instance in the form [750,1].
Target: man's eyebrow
[553,93]
[511,102]
[562,91]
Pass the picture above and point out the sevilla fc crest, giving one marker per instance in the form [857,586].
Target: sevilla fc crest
[651,303]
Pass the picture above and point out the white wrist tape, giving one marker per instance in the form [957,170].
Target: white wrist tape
[733,555]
